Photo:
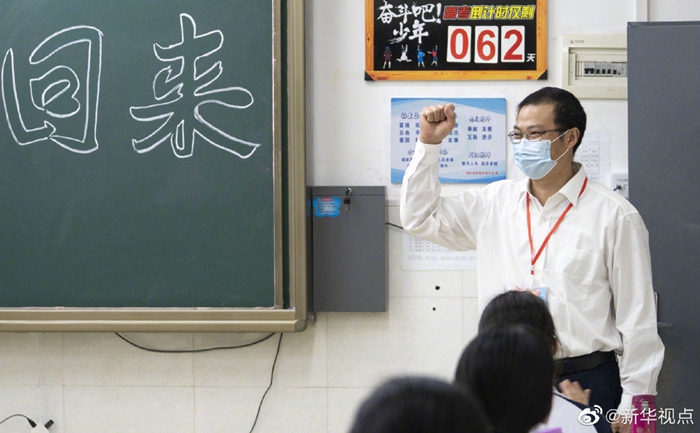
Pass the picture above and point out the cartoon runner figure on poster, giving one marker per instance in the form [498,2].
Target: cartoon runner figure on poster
[434,53]
[421,54]
[404,54]
[387,57]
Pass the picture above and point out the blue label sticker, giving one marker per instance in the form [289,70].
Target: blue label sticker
[327,207]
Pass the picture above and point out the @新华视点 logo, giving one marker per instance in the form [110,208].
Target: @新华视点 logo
[590,415]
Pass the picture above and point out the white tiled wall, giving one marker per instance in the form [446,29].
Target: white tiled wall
[89,382]
[94,382]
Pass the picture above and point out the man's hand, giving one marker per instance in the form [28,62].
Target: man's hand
[620,426]
[436,122]
[573,391]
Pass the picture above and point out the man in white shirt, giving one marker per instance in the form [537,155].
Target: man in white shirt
[580,246]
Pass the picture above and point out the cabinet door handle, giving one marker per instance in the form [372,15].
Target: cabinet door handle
[660,325]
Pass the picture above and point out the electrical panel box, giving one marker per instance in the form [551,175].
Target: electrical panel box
[349,249]
[595,66]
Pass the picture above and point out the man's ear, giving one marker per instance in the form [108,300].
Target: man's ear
[572,137]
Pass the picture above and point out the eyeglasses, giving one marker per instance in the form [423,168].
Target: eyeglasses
[516,136]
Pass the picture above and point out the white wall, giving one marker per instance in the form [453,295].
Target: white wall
[94,382]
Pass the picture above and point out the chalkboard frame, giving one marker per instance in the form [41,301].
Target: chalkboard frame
[291,310]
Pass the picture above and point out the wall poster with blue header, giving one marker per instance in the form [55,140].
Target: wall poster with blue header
[475,150]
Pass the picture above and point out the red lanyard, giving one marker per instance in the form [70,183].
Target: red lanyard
[533,258]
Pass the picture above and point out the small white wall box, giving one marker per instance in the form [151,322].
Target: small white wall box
[595,66]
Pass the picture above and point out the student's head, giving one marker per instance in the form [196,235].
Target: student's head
[510,370]
[568,113]
[520,308]
[420,405]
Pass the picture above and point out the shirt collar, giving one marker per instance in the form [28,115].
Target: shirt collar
[571,190]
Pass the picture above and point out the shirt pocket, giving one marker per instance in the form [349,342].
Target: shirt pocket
[576,269]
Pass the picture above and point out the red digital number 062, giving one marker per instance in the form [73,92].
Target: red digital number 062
[482,44]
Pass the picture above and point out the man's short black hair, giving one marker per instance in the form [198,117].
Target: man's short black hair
[568,112]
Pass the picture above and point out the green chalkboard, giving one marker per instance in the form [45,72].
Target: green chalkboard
[138,158]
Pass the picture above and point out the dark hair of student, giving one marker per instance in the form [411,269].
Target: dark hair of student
[420,405]
[509,369]
[568,111]
[520,308]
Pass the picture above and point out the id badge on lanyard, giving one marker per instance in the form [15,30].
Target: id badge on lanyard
[536,288]
[541,289]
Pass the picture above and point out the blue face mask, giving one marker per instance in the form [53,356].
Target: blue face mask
[534,159]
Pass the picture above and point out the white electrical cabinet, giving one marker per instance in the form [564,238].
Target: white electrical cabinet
[595,66]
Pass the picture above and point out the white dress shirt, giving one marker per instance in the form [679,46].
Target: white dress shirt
[596,265]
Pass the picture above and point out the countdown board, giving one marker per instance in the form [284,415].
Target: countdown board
[428,40]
